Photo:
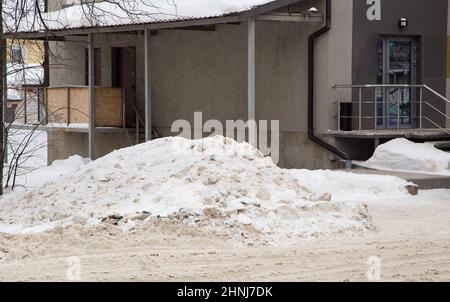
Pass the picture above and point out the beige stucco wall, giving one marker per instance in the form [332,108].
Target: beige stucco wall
[333,61]
[207,71]
[32,51]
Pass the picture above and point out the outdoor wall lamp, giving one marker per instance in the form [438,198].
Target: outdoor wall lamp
[403,23]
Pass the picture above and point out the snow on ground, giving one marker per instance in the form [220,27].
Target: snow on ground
[30,180]
[33,171]
[34,145]
[347,186]
[212,183]
[71,125]
[406,156]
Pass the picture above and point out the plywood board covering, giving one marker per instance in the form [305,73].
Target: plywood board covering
[57,105]
[108,102]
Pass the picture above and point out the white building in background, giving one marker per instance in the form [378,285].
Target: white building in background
[26,102]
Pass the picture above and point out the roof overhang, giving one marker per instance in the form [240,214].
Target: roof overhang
[259,11]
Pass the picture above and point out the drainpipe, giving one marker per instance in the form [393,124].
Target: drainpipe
[311,41]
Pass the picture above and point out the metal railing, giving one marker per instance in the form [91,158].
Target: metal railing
[421,105]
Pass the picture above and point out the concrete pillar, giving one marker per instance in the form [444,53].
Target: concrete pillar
[148,85]
[251,82]
[5,101]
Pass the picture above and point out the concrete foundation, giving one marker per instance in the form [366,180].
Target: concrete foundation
[63,144]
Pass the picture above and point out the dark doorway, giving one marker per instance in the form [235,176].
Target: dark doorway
[97,67]
[123,70]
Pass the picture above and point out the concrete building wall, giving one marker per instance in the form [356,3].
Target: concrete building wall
[333,66]
[333,62]
[206,71]
[67,62]
[62,144]
[427,23]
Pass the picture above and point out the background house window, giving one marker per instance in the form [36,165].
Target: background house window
[16,54]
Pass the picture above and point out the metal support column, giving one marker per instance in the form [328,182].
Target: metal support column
[91,99]
[5,101]
[251,82]
[148,85]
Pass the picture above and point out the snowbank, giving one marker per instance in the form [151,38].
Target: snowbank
[70,126]
[351,186]
[32,143]
[55,171]
[33,161]
[403,155]
[213,182]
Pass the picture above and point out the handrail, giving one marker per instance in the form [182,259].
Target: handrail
[395,86]
[442,129]
[438,111]
[437,94]
[398,100]
[380,86]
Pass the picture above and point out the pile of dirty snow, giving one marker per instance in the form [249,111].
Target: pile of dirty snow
[214,183]
[403,155]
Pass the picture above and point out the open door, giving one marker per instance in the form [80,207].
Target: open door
[124,76]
